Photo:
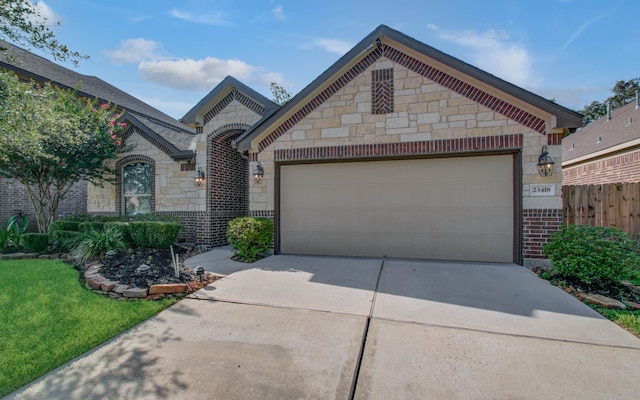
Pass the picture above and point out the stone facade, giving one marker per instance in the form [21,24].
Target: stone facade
[206,210]
[427,119]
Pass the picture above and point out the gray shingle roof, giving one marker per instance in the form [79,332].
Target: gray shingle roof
[160,126]
[566,118]
[604,135]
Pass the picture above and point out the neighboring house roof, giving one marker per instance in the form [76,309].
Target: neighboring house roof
[159,127]
[604,136]
[195,116]
[565,118]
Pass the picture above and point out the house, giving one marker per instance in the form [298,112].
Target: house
[396,150]
[159,130]
[605,151]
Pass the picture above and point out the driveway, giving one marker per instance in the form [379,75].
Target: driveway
[290,327]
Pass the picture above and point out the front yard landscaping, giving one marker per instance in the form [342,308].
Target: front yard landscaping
[600,266]
[48,318]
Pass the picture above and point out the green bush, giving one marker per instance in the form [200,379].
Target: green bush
[122,227]
[64,225]
[595,256]
[91,226]
[64,240]
[92,245]
[250,238]
[35,242]
[154,234]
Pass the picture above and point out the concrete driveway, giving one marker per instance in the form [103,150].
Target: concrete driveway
[291,327]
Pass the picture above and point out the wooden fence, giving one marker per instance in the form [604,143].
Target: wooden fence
[616,204]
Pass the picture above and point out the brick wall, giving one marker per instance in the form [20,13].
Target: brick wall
[618,169]
[537,226]
[14,198]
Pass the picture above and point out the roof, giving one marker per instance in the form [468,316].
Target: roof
[604,135]
[227,85]
[159,126]
[565,117]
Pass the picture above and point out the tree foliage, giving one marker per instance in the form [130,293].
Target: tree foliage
[22,23]
[50,139]
[623,92]
[280,94]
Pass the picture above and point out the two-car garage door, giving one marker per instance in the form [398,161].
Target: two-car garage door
[457,208]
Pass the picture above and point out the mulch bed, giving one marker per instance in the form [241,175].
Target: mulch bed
[124,268]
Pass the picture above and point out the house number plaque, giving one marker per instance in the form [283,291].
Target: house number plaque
[543,190]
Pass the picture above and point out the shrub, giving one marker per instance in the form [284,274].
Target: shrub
[91,226]
[64,225]
[64,240]
[154,234]
[92,245]
[250,238]
[595,256]
[122,227]
[35,242]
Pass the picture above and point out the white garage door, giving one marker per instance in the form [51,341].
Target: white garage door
[441,208]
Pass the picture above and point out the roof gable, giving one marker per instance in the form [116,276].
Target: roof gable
[386,42]
[224,93]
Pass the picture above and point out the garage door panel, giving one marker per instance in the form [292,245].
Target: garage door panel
[455,209]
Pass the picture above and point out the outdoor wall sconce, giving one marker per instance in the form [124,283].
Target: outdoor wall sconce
[258,173]
[199,177]
[545,163]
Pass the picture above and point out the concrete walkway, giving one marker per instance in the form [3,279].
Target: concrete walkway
[290,327]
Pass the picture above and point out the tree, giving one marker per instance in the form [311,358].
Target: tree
[623,92]
[280,94]
[50,139]
[22,23]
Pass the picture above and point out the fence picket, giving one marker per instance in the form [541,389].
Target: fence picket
[603,205]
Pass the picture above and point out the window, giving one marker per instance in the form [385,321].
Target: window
[136,188]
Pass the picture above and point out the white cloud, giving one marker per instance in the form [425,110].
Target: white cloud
[336,46]
[134,50]
[493,52]
[583,27]
[216,18]
[47,16]
[278,12]
[200,75]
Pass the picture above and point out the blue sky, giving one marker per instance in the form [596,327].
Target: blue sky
[172,53]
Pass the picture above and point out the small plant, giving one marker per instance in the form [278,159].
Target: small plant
[149,260]
[93,245]
[250,238]
[595,256]
[10,236]
[35,242]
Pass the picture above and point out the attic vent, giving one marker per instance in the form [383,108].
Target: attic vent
[630,121]
[382,91]
[599,139]
[573,146]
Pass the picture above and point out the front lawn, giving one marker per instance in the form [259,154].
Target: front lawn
[48,318]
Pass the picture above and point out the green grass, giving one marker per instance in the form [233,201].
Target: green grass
[630,320]
[48,318]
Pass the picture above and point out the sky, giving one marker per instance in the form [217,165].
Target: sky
[170,54]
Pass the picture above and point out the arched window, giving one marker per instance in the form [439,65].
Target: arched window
[136,188]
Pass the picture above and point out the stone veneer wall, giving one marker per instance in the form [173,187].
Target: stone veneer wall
[428,119]
[617,169]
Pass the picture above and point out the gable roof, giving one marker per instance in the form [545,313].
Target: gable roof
[604,135]
[565,118]
[160,127]
[262,105]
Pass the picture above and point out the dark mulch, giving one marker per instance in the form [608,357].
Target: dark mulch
[124,268]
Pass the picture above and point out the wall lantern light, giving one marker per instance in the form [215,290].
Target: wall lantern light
[258,173]
[545,163]
[199,177]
